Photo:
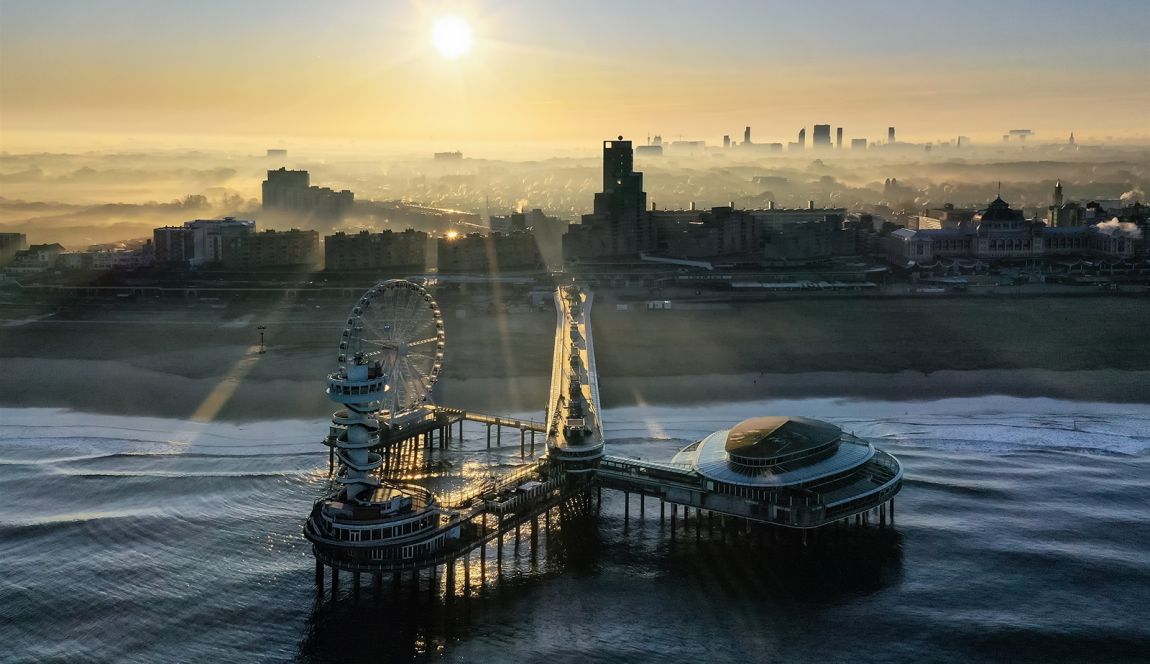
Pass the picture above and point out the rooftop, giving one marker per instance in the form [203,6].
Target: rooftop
[770,437]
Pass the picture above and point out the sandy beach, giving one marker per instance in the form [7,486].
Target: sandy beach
[166,361]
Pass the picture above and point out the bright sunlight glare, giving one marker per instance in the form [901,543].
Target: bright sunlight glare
[451,37]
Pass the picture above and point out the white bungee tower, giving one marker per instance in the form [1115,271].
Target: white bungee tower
[359,385]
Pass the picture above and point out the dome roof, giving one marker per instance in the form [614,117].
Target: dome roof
[999,210]
[771,437]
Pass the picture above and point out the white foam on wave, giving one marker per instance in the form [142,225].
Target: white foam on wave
[72,433]
[990,423]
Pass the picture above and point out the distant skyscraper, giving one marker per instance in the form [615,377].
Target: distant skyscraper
[822,136]
[658,140]
[890,135]
[1071,138]
[726,141]
[747,135]
[802,138]
[839,141]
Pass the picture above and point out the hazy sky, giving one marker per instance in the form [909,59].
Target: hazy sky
[574,71]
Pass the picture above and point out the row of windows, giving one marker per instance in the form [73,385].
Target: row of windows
[357,389]
[951,245]
[1009,245]
[386,532]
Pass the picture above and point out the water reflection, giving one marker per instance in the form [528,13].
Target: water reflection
[722,567]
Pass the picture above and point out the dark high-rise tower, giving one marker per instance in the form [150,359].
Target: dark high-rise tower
[620,223]
[1058,193]
[890,135]
[747,136]
[802,137]
[822,136]
[839,142]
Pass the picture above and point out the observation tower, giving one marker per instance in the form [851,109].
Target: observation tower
[574,432]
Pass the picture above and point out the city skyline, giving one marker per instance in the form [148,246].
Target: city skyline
[75,75]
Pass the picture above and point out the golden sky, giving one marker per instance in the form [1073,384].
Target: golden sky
[568,73]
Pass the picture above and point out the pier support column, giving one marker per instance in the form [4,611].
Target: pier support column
[642,506]
[498,434]
[533,442]
[517,539]
[674,509]
[882,516]
[598,499]
[482,567]
[892,511]
[626,507]
[319,573]
[488,436]
[330,461]
[522,443]
[334,582]
[662,511]
[461,428]
[377,585]
[466,574]
[355,586]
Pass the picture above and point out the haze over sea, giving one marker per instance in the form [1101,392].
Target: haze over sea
[1021,534]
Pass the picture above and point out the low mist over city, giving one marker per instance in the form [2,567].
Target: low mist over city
[490,331]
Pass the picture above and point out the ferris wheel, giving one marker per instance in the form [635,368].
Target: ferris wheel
[398,324]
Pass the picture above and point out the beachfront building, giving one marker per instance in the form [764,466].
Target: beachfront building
[1002,233]
[489,254]
[270,249]
[124,259]
[622,228]
[375,251]
[792,471]
[36,258]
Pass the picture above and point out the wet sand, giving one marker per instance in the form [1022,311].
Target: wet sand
[166,362]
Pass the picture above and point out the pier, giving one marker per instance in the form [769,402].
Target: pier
[780,473]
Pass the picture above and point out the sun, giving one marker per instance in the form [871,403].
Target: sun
[451,37]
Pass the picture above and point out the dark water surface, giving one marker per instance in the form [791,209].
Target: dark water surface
[1022,534]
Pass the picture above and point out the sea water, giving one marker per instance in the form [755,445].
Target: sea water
[1022,533]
